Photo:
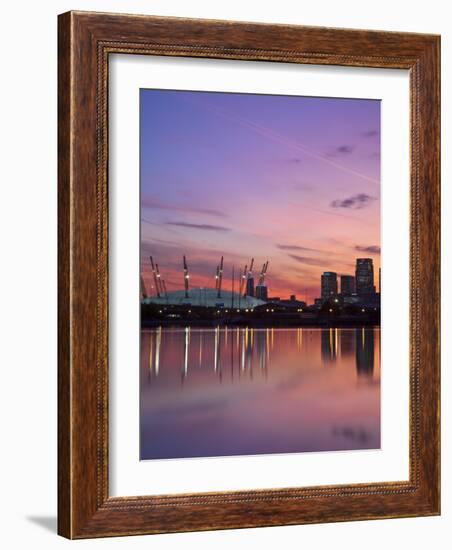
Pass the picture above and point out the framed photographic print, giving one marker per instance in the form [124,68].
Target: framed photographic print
[248,275]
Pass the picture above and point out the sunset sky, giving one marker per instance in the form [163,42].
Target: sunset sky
[292,180]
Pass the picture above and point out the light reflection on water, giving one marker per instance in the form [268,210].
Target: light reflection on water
[241,391]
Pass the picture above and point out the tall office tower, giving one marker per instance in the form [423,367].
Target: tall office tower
[364,276]
[347,285]
[250,287]
[262,292]
[328,285]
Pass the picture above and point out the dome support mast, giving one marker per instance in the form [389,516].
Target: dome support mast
[156,282]
[220,277]
[186,277]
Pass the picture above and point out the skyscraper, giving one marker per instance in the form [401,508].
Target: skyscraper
[250,287]
[347,285]
[364,276]
[328,285]
[261,292]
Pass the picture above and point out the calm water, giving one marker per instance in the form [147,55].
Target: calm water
[218,392]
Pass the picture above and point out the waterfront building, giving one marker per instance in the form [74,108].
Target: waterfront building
[351,299]
[364,276]
[261,292]
[250,287]
[347,285]
[328,285]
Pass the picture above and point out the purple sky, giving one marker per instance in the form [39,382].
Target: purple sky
[295,180]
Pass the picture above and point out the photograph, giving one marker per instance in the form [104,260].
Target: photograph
[260,274]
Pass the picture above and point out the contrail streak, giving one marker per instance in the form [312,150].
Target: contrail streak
[275,136]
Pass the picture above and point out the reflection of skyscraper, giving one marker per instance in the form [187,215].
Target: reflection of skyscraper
[261,347]
[328,285]
[347,340]
[364,351]
[329,345]
[347,285]
[364,276]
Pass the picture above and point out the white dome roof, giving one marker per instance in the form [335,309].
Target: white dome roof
[207,297]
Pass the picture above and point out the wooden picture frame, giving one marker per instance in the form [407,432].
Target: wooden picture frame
[86,40]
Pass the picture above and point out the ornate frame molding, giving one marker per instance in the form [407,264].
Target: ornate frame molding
[85,42]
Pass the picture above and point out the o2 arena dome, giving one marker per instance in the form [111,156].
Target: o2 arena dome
[217,297]
[205,297]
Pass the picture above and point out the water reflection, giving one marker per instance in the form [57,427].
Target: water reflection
[329,344]
[285,400]
[248,348]
[365,352]
[347,342]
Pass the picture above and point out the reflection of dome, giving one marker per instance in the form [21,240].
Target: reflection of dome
[207,297]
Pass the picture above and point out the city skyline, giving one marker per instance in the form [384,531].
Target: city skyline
[292,180]
[330,280]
